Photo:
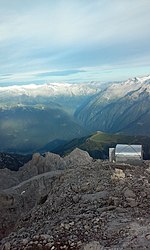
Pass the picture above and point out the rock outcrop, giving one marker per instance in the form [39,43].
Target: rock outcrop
[77,157]
[41,164]
[76,203]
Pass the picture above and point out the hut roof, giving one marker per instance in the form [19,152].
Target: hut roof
[128,149]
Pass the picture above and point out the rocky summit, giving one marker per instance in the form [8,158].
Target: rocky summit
[75,202]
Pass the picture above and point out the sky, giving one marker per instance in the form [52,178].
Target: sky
[73,40]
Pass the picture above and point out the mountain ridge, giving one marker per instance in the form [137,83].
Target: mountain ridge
[118,107]
[69,111]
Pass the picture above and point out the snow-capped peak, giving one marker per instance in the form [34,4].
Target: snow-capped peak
[48,89]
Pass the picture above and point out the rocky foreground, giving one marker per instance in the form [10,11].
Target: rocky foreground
[75,202]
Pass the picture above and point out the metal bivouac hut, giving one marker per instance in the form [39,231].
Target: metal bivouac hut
[128,153]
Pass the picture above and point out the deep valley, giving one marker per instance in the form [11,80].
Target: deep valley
[33,116]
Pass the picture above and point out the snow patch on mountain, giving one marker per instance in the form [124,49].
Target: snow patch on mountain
[50,89]
[118,90]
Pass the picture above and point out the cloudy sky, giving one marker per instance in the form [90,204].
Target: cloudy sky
[73,40]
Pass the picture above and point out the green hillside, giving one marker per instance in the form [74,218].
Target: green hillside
[98,144]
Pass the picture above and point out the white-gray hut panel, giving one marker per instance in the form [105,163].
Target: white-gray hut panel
[128,153]
[111,154]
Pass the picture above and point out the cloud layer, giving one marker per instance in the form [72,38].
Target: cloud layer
[71,40]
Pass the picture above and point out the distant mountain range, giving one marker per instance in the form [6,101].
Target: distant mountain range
[121,107]
[32,116]
[70,96]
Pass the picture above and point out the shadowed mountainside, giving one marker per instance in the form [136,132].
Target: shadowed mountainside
[24,129]
[121,107]
[13,161]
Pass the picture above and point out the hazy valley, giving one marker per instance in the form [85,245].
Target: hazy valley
[32,116]
[27,128]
